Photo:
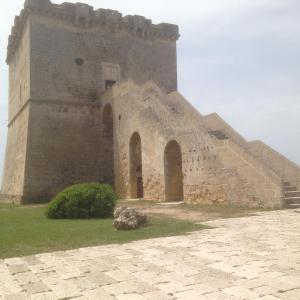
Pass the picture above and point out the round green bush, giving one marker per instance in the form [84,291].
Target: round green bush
[83,201]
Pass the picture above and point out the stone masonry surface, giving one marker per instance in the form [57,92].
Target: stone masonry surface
[255,257]
[93,97]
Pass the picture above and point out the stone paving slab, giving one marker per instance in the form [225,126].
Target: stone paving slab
[255,257]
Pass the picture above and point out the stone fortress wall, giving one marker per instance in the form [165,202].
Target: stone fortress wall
[270,159]
[286,169]
[214,171]
[93,97]
[71,51]
[18,115]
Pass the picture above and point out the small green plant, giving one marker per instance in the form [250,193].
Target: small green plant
[83,201]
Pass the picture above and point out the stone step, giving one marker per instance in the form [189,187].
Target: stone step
[293,206]
[292,200]
[290,194]
[290,188]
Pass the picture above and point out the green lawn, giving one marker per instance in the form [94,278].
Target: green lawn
[24,230]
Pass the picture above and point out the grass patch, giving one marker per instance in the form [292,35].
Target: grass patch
[24,230]
[7,205]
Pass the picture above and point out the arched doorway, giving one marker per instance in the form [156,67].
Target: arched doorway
[136,167]
[108,145]
[173,172]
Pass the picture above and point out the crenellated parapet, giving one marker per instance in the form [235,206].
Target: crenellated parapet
[84,16]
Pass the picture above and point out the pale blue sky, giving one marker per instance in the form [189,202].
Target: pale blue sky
[240,58]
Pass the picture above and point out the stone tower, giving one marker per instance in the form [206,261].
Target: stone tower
[93,98]
[61,59]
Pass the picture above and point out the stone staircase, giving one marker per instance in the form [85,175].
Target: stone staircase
[219,134]
[291,196]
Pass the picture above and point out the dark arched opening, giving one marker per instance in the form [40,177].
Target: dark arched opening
[173,172]
[136,167]
[108,145]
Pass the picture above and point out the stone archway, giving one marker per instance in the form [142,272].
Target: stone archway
[108,145]
[173,172]
[136,167]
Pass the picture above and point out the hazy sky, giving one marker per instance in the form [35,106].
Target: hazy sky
[240,58]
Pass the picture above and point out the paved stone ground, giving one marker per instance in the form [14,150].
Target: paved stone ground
[247,258]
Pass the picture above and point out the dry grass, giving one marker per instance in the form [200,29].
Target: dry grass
[197,213]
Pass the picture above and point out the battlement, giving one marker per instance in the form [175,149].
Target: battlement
[84,16]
